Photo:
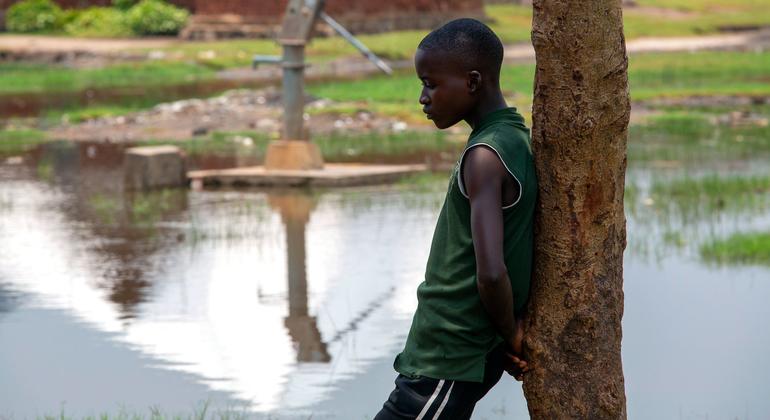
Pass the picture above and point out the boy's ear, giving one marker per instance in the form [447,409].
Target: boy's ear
[474,81]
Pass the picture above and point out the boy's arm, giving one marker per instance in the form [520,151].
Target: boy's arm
[483,177]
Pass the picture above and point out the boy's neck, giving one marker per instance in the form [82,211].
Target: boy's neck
[490,102]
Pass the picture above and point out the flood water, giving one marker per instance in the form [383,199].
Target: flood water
[293,304]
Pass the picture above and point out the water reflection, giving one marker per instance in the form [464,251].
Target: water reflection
[128,227]
[256,295]
[293,304]
[8,299]
[295,209]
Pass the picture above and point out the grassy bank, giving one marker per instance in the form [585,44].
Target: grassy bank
[334,147]
[693,138]
[38,78]
[14,141]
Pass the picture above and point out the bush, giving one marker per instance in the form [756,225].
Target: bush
[68,16]
[123,4]
[34,16]
[99,22]
[156,17]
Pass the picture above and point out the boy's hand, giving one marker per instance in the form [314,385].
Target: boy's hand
[515,366]
[513,362]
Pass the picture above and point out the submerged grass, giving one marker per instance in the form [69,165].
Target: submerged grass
[697,198]
[681,213]
[739,248]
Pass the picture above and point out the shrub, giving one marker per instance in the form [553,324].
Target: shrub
[99,22]
[156,17]
[68,16]
[123,4]
[33,16]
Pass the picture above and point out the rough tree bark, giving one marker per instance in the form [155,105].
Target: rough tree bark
[580,122]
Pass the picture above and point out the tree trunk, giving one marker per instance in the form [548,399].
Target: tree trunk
[580,124]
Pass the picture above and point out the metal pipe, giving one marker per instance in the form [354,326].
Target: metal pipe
[265,59]
[293,91]
[356,43]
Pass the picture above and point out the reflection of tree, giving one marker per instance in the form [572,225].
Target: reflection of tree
[295,209]
[122,228]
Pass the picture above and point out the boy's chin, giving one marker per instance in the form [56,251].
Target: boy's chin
[441,125]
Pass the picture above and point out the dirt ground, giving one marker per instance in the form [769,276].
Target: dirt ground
[234,111]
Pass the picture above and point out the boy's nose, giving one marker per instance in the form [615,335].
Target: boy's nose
[424,99]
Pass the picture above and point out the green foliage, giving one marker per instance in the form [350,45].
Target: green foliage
[99,22]
[68,16]
[156,17]
[739,248]
[123,4]
[34,16]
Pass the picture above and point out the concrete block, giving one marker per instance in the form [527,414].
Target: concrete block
[152,167]
[293,155]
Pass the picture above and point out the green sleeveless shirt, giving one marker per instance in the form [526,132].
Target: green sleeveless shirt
[451,333]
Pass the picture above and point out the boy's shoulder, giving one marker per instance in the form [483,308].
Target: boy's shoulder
[509,134]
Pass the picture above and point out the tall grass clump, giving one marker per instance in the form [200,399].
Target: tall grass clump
[739,248]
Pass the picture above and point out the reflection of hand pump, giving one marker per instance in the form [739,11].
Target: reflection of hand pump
[294,151]
[295,212]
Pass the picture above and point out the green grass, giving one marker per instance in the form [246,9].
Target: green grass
[712,186]
[14,141]
[739,248]
[701,73]
[398,95]
[34,78]
[74,116]
[694,138]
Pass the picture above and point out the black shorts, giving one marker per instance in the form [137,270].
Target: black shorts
[422,398]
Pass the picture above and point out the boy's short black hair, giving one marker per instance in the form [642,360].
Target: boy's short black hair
[473,44]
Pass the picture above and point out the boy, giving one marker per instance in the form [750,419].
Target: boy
[468,327]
